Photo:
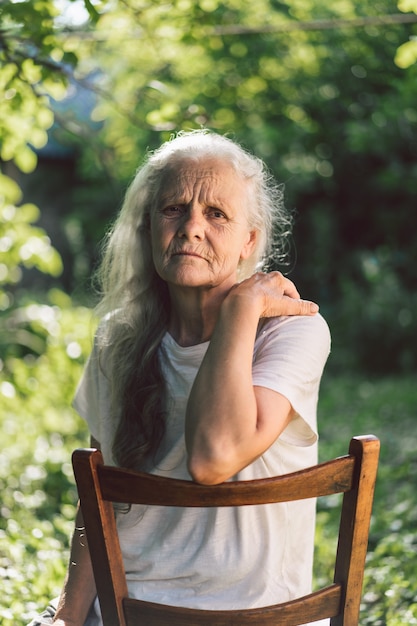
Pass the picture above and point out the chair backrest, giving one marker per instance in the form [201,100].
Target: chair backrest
[353,475]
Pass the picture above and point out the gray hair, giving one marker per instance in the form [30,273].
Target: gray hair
[135,300]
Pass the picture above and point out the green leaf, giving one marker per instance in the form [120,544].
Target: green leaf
[406,54]
[407,5]
[25,159]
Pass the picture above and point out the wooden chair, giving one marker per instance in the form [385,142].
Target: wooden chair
[353,475]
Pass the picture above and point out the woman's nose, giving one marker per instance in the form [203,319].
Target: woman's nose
[192,225]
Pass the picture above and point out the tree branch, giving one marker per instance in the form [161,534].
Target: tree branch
[332,24]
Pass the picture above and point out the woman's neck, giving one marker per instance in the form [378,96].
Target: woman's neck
[194,315]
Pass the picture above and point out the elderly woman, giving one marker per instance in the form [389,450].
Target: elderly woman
[202,368]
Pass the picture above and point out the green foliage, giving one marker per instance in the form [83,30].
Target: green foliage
[39,429]
[32,67]
[382,335]
[21,244]
[28,73]
[386,408]
[407,52]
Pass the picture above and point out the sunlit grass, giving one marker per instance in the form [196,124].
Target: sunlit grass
[386,408]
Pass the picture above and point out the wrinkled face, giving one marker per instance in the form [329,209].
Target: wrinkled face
[199,226]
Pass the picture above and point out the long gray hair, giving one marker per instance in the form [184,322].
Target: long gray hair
[134,299]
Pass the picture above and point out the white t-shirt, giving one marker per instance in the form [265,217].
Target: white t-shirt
[224,558]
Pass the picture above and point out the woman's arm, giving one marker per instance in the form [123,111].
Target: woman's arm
[79,588]
[230,422]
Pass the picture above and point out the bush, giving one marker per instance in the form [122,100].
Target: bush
[385,407]
[39,430]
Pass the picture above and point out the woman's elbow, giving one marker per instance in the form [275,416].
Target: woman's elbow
[206,472]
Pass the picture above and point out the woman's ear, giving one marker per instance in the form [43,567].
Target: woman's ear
[250,245]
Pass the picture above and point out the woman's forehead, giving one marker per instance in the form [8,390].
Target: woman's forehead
[213,175]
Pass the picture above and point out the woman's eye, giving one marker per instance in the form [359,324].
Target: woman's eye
[172,210]
[218,214]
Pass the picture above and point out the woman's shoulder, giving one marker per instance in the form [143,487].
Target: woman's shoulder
[110,327]
[299,335]
[294,324]
[296,347]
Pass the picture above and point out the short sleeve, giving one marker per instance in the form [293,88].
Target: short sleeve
[289,357]
[92,401]
[87,396]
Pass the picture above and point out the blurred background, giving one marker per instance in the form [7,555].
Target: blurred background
[326,94]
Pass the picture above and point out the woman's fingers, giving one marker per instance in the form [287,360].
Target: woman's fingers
[279,295]
[291,306]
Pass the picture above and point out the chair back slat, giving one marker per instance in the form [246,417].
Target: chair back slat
[123,486]
[316,606]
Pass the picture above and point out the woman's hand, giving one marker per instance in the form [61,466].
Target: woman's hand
[273,295]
